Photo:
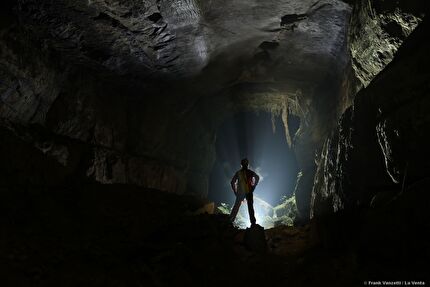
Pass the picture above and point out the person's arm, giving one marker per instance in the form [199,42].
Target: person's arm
[233,182]
[257,179]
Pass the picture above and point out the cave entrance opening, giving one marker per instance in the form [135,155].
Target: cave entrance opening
[260,137]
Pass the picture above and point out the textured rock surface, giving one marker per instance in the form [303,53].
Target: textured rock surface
[146,84]
[380,145]
[378,28]
[110,235]
[178,37]
[133,92]
[255,239]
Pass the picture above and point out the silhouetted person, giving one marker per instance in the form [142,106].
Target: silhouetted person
[243,184]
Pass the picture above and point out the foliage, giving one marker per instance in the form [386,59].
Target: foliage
[224,208]
[283,214]
[286,212]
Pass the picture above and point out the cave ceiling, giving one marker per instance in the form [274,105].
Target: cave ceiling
[272,45]
[147,83]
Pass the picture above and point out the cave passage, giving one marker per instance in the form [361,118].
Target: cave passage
[260,137]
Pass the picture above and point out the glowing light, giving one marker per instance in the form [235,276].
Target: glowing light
[265,214]
[251,135]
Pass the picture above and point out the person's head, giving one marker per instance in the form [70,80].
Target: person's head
[244,163]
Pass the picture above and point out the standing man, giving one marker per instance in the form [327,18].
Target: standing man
[243,184]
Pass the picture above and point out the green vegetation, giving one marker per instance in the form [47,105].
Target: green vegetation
[286,212]
[267,216]
[224,208]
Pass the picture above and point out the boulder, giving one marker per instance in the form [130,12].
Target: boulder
[255,238]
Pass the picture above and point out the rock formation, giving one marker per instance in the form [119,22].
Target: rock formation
[144,86]
[379,145]
[109,112]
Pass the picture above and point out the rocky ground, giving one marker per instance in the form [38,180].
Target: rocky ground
[87,153]
[117,235]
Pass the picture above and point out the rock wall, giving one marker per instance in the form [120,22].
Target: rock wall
[380,145]
[377,30]
[142,84]
[51,105]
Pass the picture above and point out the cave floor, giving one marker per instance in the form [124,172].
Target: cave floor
[116,235]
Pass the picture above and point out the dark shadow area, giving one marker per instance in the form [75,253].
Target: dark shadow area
[119,235]
[261,139]
[114,113]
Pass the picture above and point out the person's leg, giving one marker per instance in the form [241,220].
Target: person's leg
[235,210]
[250,202]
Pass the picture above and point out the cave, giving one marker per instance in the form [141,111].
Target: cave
[259,137]
[122,124]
